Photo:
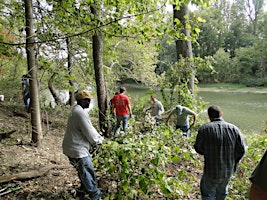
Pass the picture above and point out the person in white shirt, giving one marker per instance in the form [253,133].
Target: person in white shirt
[80,136]
[156,108]
[182,118]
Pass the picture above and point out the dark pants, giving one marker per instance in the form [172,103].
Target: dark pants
[121,120]
[212,189]
[185,129]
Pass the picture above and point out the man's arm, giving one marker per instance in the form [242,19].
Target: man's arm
[194,119]
[23,86]
[88,129]
[161,108]
[147,108]
[169,116]
[113,108]
[199,143]
[129,110]
[240,148]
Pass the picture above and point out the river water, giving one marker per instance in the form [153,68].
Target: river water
[246,110]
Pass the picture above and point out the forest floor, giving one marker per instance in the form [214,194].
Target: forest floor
[38,173]
[42,172]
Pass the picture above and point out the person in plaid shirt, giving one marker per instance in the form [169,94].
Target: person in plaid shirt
[222,146]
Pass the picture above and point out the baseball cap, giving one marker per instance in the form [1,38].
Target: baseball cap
[83,95]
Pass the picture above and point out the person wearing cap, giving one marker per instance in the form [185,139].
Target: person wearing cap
[80,136]
[122,110]
[222,146]
[156,109]
[182,118]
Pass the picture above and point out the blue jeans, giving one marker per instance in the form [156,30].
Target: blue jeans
[26,99]
[214,188]
[85,169]
[121,120]
[185,129]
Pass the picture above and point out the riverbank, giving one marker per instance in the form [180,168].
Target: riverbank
[244,107]
[224,87]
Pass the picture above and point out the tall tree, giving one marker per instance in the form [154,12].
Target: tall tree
[184,45]
[214,28]
[99,73]
[32,70]
[253,9]
[70,65]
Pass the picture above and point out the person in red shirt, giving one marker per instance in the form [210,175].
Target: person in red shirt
[122,110]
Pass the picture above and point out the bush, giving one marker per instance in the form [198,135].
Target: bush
[255,82]
[160,163]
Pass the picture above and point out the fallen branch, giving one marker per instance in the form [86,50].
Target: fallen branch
[6,135]
[24,115]
[27,116]
[29,174]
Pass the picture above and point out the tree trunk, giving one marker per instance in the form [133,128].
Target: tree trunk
[71,90]
[32,71]
[53,91]
[100,78]
[184,47]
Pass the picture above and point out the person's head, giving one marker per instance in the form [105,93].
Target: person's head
[214,112]
[122,89]
[24,76]
[83,98]
[153,97]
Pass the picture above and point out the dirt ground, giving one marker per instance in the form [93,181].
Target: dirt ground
[54,177]
[42,172]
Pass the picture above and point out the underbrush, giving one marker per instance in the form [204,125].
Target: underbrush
[159,163]
[162,164]
[149,162]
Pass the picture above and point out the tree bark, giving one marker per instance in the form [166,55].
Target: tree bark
[53,91]
[100,78]
[184,47]
[30,174]
[71,90]
[32,71]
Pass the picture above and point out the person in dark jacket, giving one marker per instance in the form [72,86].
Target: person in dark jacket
[25,91]
[222,146]
[258,190]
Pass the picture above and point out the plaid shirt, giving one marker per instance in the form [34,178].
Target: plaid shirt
[222,145]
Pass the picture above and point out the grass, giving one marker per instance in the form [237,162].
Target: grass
[232,87]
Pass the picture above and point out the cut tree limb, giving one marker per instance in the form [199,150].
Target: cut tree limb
[27,116]
[6,135]
[28,175]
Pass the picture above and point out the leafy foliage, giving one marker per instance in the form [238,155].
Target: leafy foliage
[140,164]
[161,163]
[174,83]
[233,33]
